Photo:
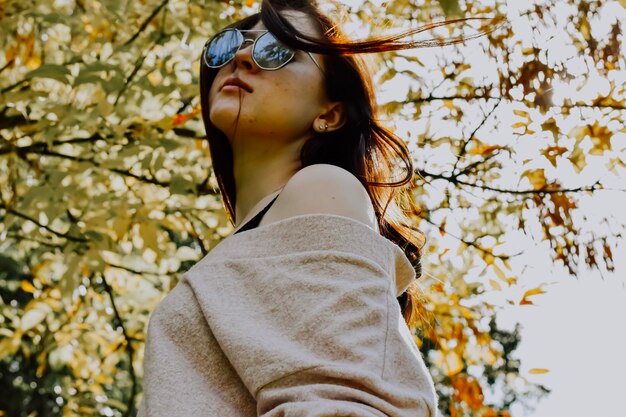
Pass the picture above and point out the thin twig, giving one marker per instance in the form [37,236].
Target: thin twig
[468,243]
[473,135]
[455,180]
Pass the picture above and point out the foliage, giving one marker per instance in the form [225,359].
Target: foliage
[107,193]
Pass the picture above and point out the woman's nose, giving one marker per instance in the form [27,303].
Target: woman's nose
[243,56]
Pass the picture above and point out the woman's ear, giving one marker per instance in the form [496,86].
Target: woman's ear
[332,119]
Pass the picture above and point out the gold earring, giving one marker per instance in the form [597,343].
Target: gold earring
[323,126]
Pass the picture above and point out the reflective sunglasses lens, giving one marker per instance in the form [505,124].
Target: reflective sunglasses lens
[222,48]
[269,52]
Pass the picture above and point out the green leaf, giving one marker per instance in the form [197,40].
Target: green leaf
[99,66]
[169,144]
[116,83]
[53,18]
[451,8]
[179,185]
[56,72]
[87,78]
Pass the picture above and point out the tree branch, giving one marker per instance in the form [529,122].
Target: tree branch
[455,180]
[195,233]
[471,97]
[140,273]
[46,152]
[468,243]
[7,65]
[41,242]
[470,167]
[145,23]
[26,217]
[473,134]
[129,347]
[42,149]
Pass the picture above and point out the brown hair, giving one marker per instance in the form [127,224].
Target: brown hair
[362,145]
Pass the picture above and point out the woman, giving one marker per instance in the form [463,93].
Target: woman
[295,313]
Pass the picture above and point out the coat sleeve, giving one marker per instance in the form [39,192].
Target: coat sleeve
[319,334]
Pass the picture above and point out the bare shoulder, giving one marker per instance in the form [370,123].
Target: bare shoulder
[324,188]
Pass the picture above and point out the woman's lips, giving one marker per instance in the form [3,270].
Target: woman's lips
[231,87]
[234,83]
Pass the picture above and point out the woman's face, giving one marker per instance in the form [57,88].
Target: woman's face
[282,103]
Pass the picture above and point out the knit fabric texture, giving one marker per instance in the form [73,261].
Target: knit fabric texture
[296,318]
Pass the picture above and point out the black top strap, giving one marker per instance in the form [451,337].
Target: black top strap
[254,222]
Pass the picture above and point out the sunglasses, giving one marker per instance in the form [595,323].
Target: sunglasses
[268,53]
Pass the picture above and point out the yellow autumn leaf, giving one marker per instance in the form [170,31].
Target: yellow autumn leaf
[551,126]
[531,292]
[11,53]
[536,177]
[41,360]
[418,341]
[466,312]
[484,149]
[522,113]
[585,28]
[600,137]
[499,272]
[155,78]
[578,159]
[27,287]
[490,412]
[488,258]
[488,356]
[39,271]
[461,248]
[96,388]
[112,348]
[506,264]
[34,316]
[552,152]
[538,371]
[453,363]
[534,291]
[10,345]
[495,285]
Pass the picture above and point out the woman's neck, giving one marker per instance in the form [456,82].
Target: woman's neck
[255,181]
[258,207]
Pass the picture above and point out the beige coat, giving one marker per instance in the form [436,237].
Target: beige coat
[296,318]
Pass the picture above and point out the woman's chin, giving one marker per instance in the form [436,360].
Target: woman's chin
[225,119]
[227,130]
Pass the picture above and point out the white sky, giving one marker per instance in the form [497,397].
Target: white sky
[577,329]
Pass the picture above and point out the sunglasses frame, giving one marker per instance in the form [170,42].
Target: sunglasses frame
[241,31]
